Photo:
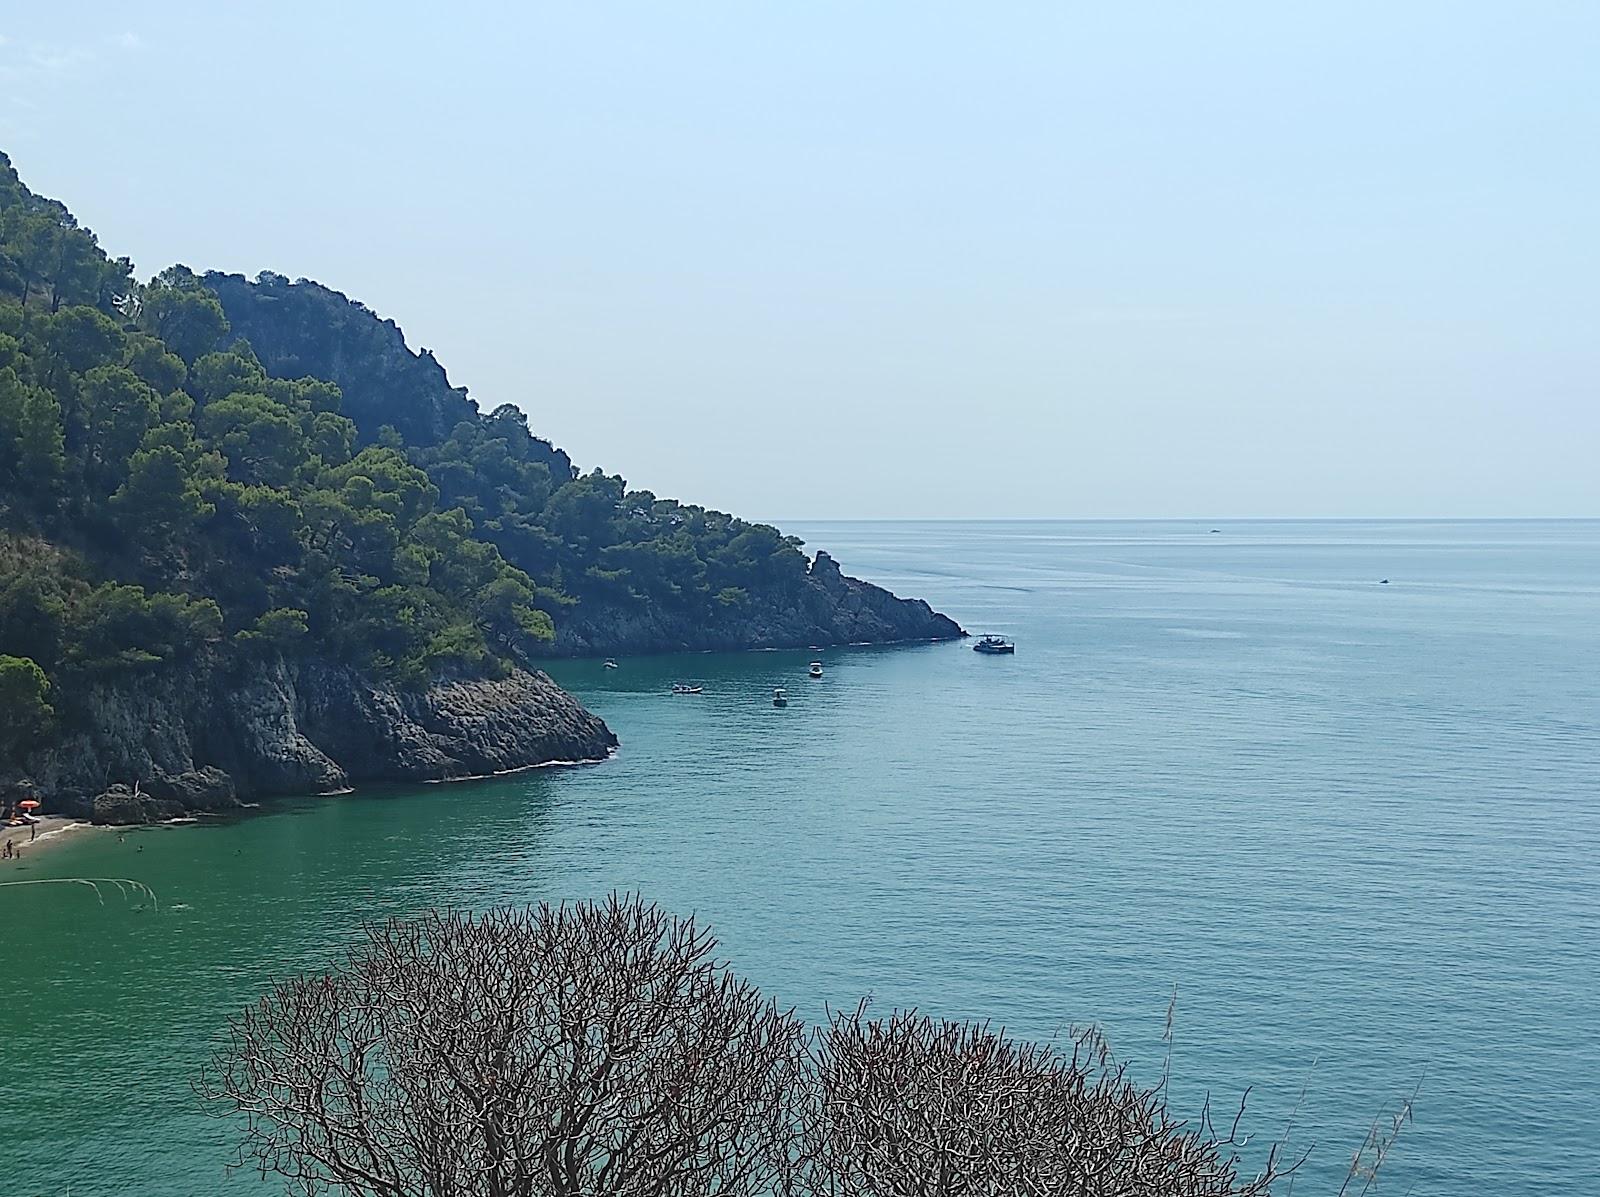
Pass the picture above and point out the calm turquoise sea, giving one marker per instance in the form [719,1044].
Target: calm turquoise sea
[1355,826]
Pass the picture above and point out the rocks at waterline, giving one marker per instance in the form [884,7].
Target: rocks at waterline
[210,735]
[825,607]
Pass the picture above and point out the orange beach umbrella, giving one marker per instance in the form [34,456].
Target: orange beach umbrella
[28,803]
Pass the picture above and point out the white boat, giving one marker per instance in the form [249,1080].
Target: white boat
[680,688]
[816,669]
[610,664]
[994,645]
[779,698]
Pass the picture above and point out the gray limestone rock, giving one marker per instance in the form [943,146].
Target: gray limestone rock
[204,737]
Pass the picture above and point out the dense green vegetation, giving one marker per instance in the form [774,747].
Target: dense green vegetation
[160,494]
[589,542]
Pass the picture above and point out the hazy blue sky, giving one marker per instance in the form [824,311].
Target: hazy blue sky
[905,259]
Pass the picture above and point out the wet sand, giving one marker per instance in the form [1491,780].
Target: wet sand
[52,830]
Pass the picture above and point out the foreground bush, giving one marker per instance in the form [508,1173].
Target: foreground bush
[907,1106]
[601,1049]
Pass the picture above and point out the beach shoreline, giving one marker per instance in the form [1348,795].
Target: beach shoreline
[53,830]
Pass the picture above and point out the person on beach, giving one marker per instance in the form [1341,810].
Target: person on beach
[6,855]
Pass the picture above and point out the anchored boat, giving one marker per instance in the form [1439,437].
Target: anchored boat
[816,669]
[994,645]
[779,698]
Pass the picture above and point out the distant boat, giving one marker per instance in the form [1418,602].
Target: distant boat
[994,645]
[680,688]
[1214,531]
[816,669]
[779,698]
[1384,582]
[610,664]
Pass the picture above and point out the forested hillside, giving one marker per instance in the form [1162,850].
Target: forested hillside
[273,476]
[621,570]
[159,492]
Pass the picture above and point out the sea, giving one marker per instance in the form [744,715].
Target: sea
[1325,793]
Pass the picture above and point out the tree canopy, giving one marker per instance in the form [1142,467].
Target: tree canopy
[162,492]
[587,540]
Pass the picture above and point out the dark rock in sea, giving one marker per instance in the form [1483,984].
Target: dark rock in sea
[207,736]
[120,803]
[461,727]
[205,788]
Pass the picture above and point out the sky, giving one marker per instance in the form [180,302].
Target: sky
[919,260]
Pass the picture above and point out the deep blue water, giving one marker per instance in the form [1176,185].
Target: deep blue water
[1355,826]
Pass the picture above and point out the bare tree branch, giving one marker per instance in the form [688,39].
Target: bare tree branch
[586,1049]
[601,1050]
[906,1106]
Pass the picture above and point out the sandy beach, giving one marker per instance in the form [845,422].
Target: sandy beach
[51,831]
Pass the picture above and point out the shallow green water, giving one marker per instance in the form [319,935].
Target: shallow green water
[1356,826]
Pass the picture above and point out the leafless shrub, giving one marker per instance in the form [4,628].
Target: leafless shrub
[587,1049]
[906,1106]
[601,1050]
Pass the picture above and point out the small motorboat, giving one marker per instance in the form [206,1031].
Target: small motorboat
[610,664]
[779,698]
[816,669]
[680,688]
[994,645]
[1384,582]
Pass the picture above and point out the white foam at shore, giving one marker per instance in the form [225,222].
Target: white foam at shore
[51,834]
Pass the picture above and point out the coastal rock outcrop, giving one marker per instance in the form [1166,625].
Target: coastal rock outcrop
[457,727]
[226,516]
[206,736]
[823,607]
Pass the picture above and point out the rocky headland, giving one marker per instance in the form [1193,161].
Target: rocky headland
[303,328]
[823,607]
[214,734]
[251,543]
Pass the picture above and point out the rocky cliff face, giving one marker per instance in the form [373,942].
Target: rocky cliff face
[825,607]
[209,735]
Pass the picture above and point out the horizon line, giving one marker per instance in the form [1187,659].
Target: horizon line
[1179,519]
